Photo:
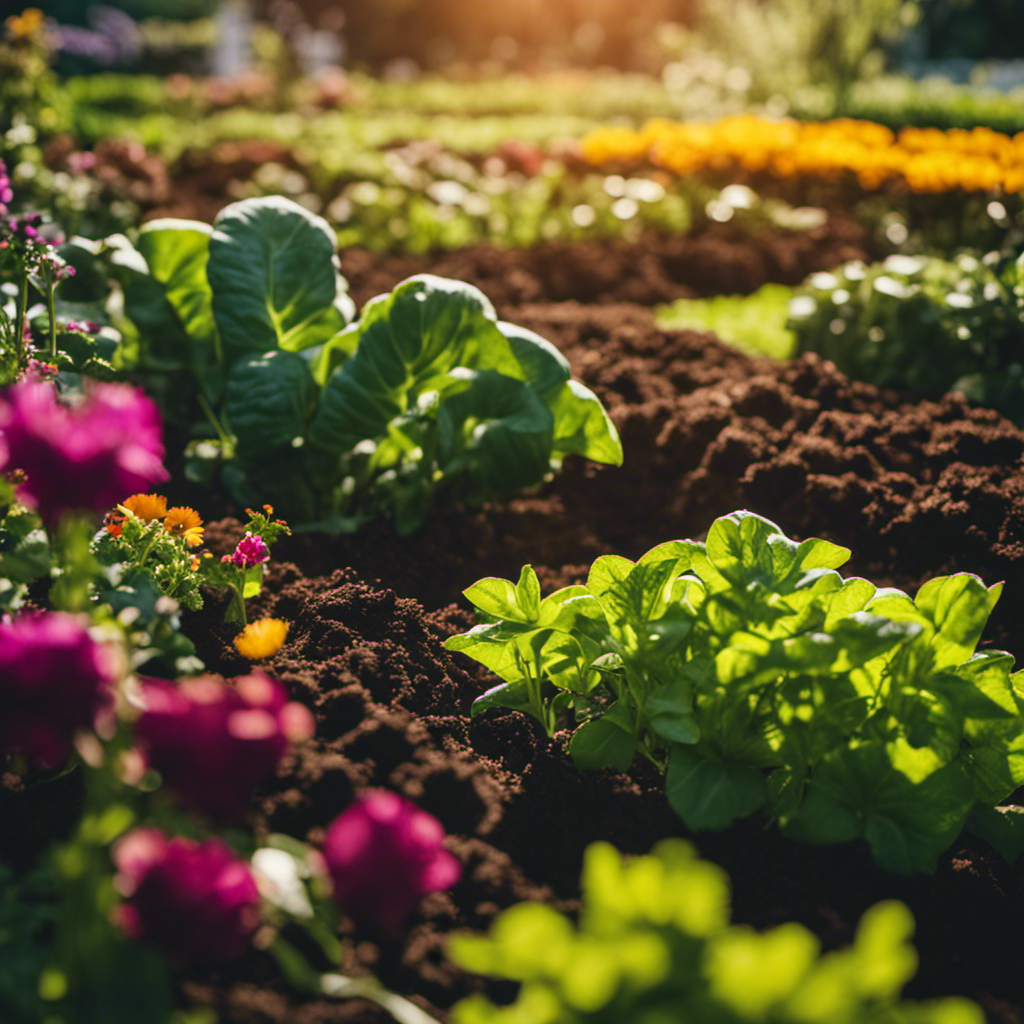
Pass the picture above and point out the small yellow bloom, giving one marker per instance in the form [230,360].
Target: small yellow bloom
[261,639]
[146,506]
[26,24]
[185,522]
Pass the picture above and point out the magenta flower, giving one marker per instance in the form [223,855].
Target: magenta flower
[87,456]
[54,679]
[251,551]
[212,743]
[195,902]
[384,854]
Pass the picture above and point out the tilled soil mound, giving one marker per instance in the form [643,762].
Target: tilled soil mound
[915,489]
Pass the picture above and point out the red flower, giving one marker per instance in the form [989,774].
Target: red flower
[212,743]
[384,854]
[82,457]
[53,680]
[194,901]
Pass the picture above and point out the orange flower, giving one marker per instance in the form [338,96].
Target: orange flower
[185,522]
[261,639]
[146,506]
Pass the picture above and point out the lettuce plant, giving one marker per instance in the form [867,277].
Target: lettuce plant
[653,944]
[336,421]
[923,324]
[759,679]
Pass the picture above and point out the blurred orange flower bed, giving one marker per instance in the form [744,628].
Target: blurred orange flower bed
[923,159]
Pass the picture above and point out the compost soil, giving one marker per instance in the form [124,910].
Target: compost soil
[913,488]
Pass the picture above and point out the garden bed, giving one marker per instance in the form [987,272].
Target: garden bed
[915,489]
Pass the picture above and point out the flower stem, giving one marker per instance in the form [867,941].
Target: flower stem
[226,446]
[21,307]
[51,308]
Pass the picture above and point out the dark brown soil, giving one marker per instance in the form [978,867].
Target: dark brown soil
[914,488]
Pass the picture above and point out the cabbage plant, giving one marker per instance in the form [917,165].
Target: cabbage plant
[246,332]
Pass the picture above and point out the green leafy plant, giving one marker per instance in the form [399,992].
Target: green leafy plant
[427,393]
[653,944]
[926,325]
[759,679]
[755,323]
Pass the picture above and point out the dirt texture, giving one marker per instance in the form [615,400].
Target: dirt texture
[915,489]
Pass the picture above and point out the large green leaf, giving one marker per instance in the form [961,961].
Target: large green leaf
[274,277]
[583,426]
[177,252]
[408,342]
[958,606]
[496,431]
[268,402]
[605,742]
[907,825]
[711,794]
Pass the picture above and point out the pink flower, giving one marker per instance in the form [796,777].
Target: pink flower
[194,901]
[87,456]
[384,854]
[251,551]
[54,679]
[212,743]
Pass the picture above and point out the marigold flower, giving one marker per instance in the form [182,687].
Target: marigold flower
[146,506]
[384,854]
[194,901]
[185,522]
[54,679]
[82,457]
[214,743]
[261,639]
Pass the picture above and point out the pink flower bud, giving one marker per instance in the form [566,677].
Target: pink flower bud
[212,743]
[384,854]
[87,456]
[195,902]
[251,551]
[54,679]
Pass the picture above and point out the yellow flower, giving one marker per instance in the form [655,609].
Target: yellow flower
[146,506]
[261,639]
[185,522]
[26,24]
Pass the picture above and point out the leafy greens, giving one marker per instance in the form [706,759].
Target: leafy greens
[759,679]
[246,327]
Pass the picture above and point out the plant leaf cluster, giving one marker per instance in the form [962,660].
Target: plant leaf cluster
[654,945]
[760,680]
[336,421]
[923,324]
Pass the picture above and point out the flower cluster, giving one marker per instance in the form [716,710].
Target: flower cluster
[193,901]
[82,457]
[924,160]
[54,680]
[251,551]
[384,854]
[213,743]
[6,192]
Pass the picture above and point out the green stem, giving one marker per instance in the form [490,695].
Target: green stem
[141,560]
[51,308]
[19,322]
[225,441]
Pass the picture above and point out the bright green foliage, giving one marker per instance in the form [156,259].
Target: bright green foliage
[654,946]
[926,325]
[336,422]
[755,323]
[759,679]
